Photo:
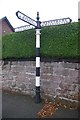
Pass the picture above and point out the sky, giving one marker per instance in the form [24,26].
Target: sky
[48,10]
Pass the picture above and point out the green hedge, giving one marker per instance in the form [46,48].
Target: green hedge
[19,45]
[56,41]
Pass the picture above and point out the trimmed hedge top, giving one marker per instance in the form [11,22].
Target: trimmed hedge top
[56,41]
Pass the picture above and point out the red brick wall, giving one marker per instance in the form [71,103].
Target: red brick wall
[0,27]
[4,28]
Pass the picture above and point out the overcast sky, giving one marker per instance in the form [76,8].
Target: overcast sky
[48,9]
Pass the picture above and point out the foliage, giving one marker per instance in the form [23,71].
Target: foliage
[56,41]
[60,41]
[19,45]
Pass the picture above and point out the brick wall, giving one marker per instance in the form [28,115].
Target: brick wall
[58,79]
[4,28]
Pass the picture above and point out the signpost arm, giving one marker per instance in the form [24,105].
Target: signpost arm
[38,27]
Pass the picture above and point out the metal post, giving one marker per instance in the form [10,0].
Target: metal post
[37,24]
[38,97]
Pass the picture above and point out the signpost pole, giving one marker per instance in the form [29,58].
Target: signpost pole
[37,24]
[38,27]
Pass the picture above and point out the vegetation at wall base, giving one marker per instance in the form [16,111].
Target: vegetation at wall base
[56,42]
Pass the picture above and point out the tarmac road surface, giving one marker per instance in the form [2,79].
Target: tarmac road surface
[24,106]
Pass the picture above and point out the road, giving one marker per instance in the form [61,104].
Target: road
[24,106]
[0,104]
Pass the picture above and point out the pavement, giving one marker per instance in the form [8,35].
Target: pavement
[0,104]
[24,106]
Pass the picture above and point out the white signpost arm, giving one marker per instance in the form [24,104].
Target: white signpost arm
[56,22]
[23,28]
[25,18]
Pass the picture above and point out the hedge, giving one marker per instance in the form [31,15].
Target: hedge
[56,41]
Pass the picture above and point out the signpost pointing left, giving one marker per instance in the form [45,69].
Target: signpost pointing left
[37,25]
[25,18]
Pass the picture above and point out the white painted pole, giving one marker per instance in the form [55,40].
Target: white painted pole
[38,97]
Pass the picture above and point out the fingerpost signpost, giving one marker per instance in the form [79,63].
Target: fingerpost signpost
[37,25]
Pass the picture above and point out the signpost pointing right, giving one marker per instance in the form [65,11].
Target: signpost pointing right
[56,22]
[37,25]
